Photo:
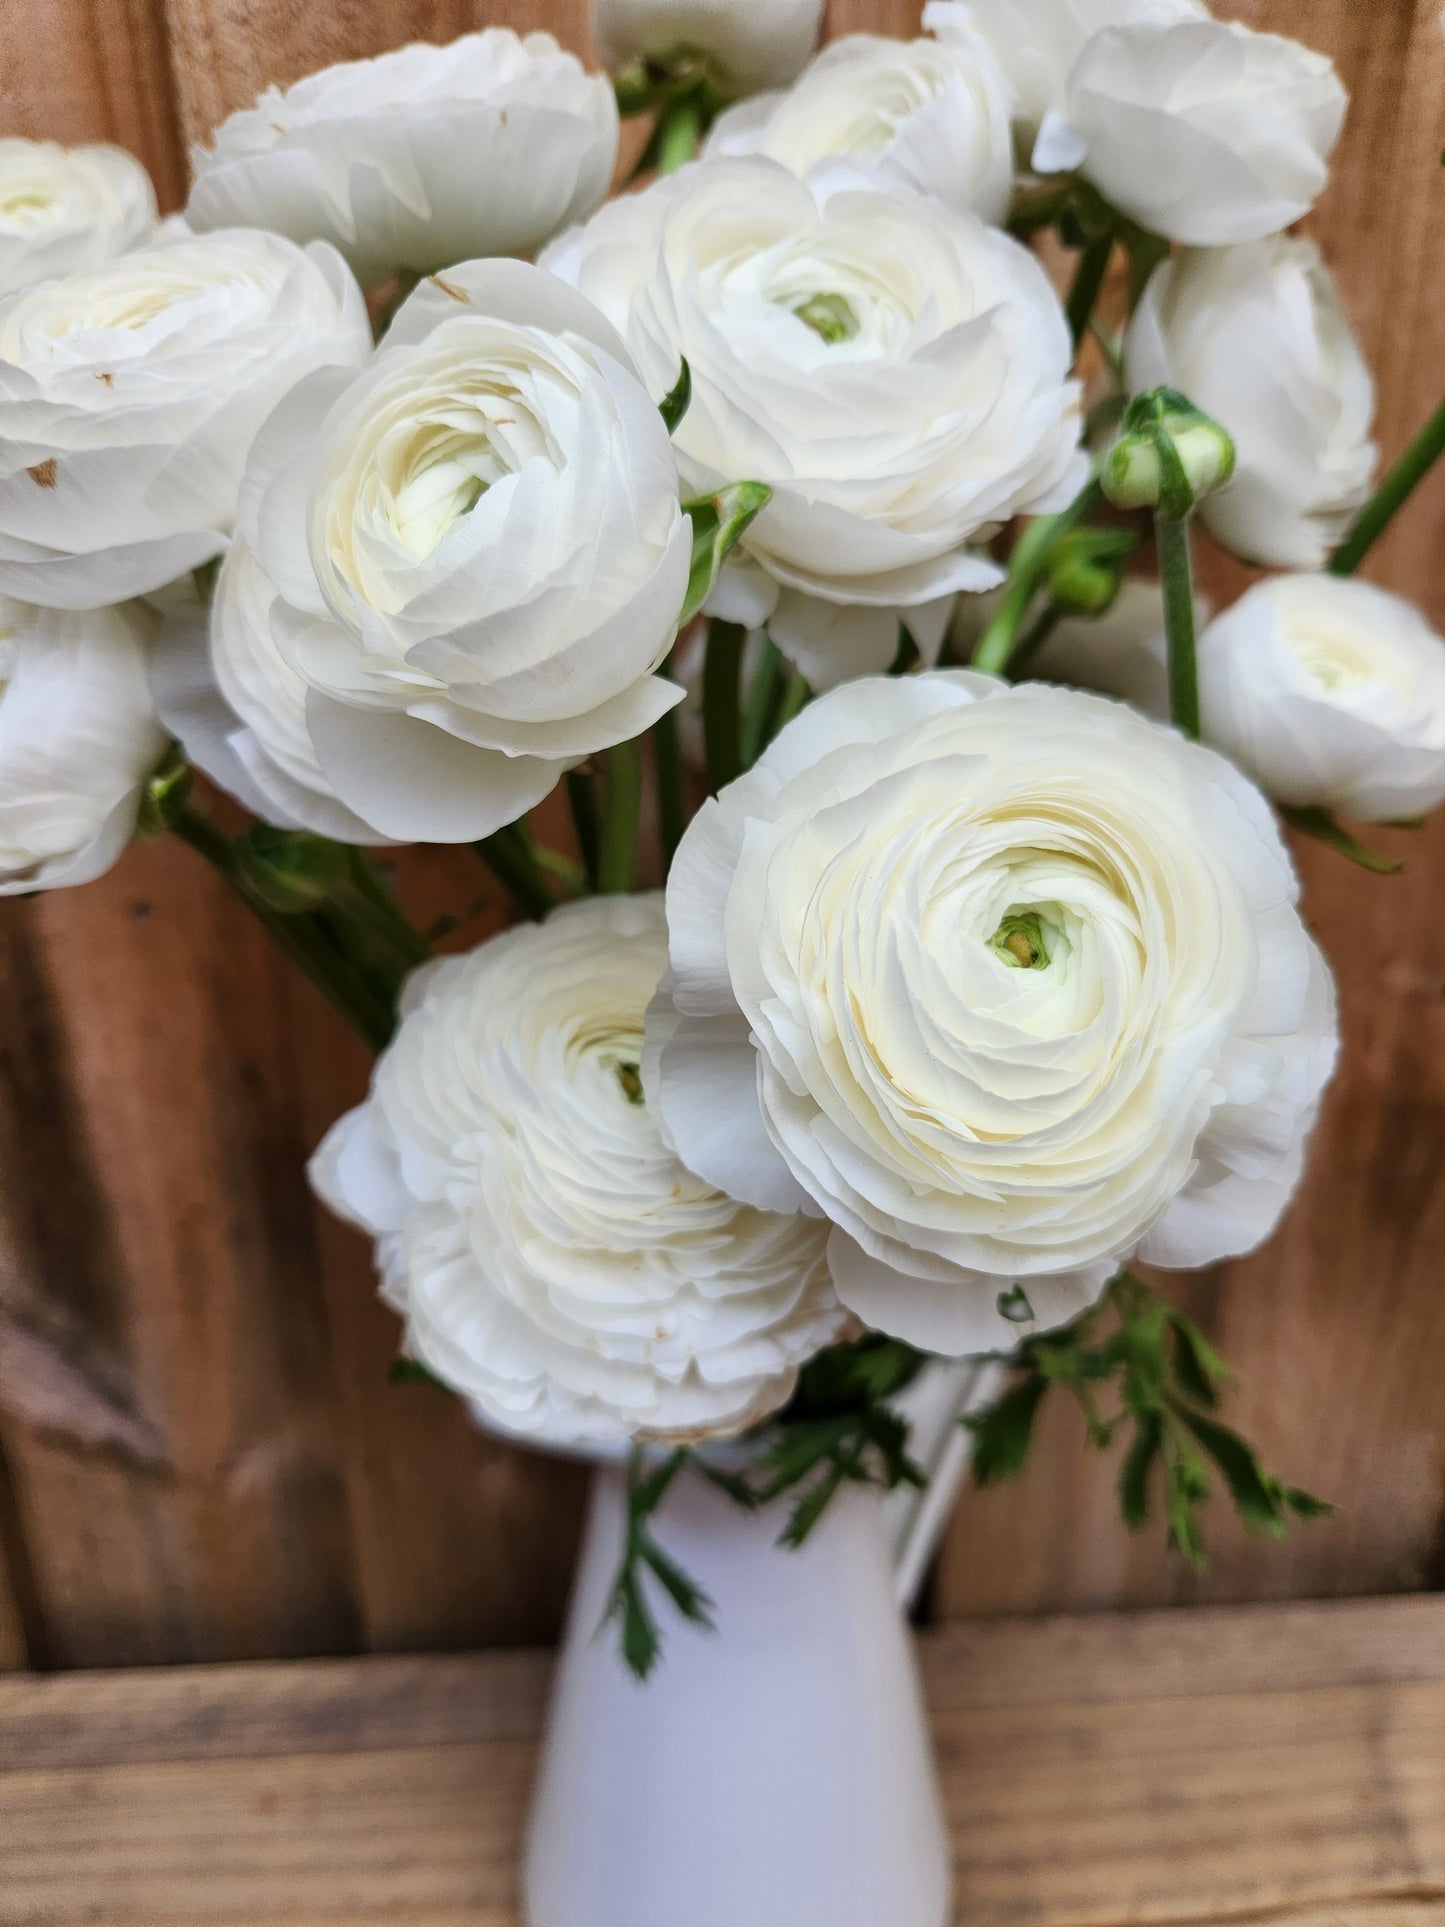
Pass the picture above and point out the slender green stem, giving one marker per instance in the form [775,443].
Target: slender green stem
[586,819]
[1177,573]
[767,687]
[680,132]
[1027,567]
[1037,636]
[617,867]
[1088,285]
[796,698]
[722,702]
[667,765]
[302,936]
[1393,493]
[380,910]
[508,854]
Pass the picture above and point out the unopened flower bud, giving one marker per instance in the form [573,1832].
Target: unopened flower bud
[1169,456]
[1086,570]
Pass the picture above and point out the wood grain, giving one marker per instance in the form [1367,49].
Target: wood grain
[1242,1766]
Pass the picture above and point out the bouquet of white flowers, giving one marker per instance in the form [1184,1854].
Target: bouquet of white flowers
[925,951]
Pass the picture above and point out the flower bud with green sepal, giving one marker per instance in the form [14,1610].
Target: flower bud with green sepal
[1169,456]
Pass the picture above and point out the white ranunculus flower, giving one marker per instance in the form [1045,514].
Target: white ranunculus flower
[1329,693]
[130,394]
[747,44]
[67,208]
[1008,983]
[897,372]
[472,560]
[931,115]
[78,740]
[554,1262]
[1199,129]
[1255,336]
[421,158]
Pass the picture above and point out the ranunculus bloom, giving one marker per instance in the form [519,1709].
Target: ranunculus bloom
[475,558]
[1329,693]
[78,739]
[421,158]
[554,1262]
[1255,336]
[130,394]
[1200,129]
[67,208]
[1009,984]
[747,44]
[897,372]
[931,115]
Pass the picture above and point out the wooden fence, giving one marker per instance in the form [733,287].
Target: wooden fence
[200,1456]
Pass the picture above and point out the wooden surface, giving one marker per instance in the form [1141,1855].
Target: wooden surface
[1230,1765]
[199,1455]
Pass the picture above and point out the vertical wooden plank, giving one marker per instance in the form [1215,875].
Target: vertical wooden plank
[86,70]
[1338,1325]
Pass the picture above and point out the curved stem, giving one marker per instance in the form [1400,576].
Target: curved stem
[1030,645]
[1393,493]
[1177,574]
[508,854]
[679,133]
[722,701]
[1027,567]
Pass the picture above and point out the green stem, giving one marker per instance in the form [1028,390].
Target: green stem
[796,698]
[617,867]
[680,132]
[767,686]
[1177,574]
[1031,644]
[1393,493]
[1088,286]
[667,764]
[374,903]
[301,936]
[1027,567]
[508,854]
[722,702]
[586,819]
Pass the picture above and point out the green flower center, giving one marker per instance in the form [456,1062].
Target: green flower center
[1019,942]
[829,316]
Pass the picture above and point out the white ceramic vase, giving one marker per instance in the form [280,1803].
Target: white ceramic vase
[775,1773]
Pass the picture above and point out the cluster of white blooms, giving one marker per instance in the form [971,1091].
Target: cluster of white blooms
[961,988]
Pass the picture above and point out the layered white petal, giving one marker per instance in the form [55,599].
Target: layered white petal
[1255,336]
[78,739]
[554,1262]
[1330,694]
[419,158]
[130,395]
[1009,979]
[63,209]
[896,371]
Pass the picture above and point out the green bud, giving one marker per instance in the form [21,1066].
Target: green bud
[165,795]
[290,870]
[1086,570]
[1168,456]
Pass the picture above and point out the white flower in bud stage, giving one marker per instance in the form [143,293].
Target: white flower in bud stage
[554,1262]
[896,372]
[1329,693]
[130,394]
[931,115]
[78,740]
[1009,984]
[63,209]
[1255,336]
[747,44]
[472,560]
[421,158]
[1199,129]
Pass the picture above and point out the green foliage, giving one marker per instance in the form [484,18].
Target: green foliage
[678,399]
[718,523]
[411,1371]
[1326,828]
[1166,1379]
[629,1605]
